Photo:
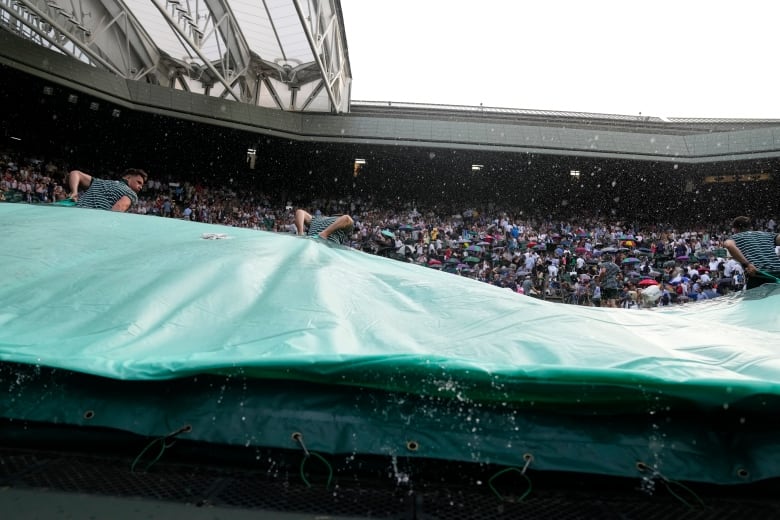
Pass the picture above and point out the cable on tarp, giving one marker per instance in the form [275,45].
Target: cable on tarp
[298,437]
[528,460]
[671,485]
[164,445]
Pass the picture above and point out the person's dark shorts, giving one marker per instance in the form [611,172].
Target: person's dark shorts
[609,294]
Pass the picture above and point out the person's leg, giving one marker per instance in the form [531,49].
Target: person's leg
[341,222]
[301,217]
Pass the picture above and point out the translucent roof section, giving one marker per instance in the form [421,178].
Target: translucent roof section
[284,54]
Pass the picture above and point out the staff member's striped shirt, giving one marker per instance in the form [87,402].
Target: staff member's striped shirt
[103,194]
[759,248]
[319,224]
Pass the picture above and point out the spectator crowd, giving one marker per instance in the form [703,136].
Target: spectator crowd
[563,257]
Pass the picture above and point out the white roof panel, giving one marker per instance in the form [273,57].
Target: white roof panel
[156,26]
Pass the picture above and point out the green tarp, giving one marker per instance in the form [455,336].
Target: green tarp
[348,424]
[141,298]
[146,301]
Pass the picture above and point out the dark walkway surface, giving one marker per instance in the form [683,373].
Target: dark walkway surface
[40,484]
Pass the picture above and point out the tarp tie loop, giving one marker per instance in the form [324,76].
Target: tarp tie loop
[164,445]
[298,437]
[671,485]
[528,459]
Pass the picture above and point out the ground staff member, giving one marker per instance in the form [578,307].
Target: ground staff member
[755,250]
[106,194]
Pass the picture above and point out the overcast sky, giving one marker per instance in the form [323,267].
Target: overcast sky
[682,58]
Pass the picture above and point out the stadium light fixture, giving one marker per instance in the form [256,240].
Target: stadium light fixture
[357,166]
[251,157]
[574,173]
[477,167]
[73,98]
[94,105]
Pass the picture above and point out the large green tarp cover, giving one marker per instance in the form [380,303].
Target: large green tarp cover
[140,300]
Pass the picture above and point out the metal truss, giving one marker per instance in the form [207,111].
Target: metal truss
[194,22]
[323,30]
[196,43]
[103,34]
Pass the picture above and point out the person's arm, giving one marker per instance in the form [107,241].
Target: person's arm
[122,204]
[76,179]
[342,222]
[732,248]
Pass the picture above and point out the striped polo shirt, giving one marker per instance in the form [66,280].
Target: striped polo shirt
[103,194]
[759,248]
[319,224]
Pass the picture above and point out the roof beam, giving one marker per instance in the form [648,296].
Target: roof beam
[218,75]
[119,34]
[237,50]
[238,55]
[322,29]
[29,24]
[144,40]
[102,33]
[67,38]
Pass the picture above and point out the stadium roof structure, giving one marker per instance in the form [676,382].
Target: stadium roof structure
[281,68]
[283,54]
